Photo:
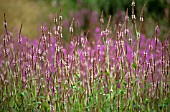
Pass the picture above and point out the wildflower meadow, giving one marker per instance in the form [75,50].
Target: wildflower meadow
[117,69]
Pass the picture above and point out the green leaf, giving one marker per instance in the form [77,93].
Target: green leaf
[146,101]
[23,94]
[148,85]
[107,73]
[74,87]
[12,103]
[134,65]
[45,106]
[125,83]
[78,76]
[39,103]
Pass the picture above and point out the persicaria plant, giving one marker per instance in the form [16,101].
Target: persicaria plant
[117,69]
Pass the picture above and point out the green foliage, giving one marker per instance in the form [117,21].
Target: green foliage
[134,65]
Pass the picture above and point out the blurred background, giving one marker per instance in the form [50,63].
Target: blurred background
[32,13]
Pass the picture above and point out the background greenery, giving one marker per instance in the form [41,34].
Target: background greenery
[33,12]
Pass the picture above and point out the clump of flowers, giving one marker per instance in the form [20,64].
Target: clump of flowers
[117,70]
